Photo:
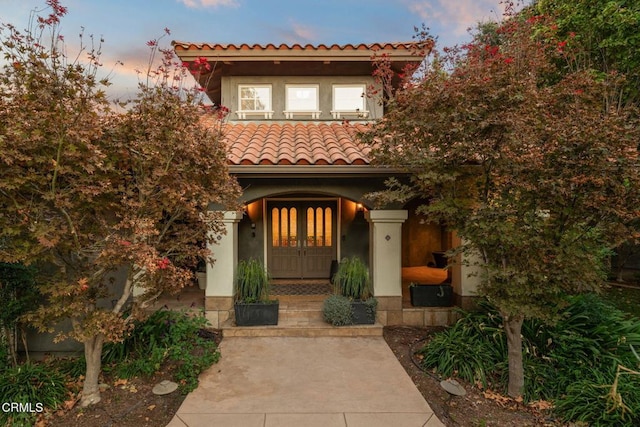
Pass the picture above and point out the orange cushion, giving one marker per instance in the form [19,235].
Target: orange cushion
[424,275]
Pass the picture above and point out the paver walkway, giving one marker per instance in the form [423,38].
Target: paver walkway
[287,381]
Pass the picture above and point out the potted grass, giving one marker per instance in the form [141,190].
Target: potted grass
[352,283]
[253,306]
[201,274]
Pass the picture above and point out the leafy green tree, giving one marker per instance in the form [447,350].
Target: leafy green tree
[605,30]
[528,165]
[86,190]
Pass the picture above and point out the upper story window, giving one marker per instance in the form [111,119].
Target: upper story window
[349,100]
[254,100]
[302,100]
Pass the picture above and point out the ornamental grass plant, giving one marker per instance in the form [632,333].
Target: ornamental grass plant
[252,281]
[586,363]
[352,279]
[30,384]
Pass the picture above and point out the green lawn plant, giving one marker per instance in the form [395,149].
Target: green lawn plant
[166,336]
[30,383]
[585,363]
[252,281]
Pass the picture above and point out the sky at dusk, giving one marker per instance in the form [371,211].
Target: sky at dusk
[126,25]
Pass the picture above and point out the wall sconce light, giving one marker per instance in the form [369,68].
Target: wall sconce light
[359,207]
[253,229]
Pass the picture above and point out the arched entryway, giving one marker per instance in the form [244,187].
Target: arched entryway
[300,235]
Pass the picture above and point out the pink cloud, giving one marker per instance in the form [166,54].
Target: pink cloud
[298,33]
[457,15]
[209,3]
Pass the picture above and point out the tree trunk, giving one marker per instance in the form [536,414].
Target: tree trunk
[9,336]
[513,328]
[93,356]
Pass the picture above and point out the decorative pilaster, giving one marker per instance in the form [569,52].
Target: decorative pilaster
[385,228]
[219,292]
[465,276]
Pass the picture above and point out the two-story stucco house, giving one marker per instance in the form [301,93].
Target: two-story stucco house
[295,112]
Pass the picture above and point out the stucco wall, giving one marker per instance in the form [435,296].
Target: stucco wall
[251,240]
[354,239]
[39,343]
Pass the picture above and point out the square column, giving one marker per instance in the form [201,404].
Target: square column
[219,293]
[385,228]
[466,272]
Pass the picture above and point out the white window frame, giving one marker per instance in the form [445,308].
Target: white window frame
[267,112]
[290,113]
[360,113]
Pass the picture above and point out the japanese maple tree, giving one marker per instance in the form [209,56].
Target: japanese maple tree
[532,166]
[86,191]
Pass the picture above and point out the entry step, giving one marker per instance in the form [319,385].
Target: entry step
[300,327]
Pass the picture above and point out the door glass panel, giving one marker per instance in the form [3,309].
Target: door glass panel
[293,227]
[319,230]
[327,227]
[275,226]
[284,227]
[311,227]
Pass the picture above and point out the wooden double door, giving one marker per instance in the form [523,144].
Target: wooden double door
[301,238]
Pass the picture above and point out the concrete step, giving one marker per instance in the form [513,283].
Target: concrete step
[301,309]
[300,316]
[292,327]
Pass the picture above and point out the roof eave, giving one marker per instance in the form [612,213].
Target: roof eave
[190,51]
[292,171]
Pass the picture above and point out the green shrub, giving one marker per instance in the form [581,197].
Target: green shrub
[572,362]
[4,354]
[30,383]
[164,336]
[472,348]
[19,294]
[72,367]
[590,400]
[337,310]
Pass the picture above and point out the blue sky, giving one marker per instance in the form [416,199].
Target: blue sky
[126,25]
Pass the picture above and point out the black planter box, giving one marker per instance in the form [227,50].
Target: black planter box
[431,295]
[362,315]
[257,313]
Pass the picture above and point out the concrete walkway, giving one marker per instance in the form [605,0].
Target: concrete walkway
[324,382]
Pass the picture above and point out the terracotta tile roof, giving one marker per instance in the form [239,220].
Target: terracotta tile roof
[295,144]
[295,47]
